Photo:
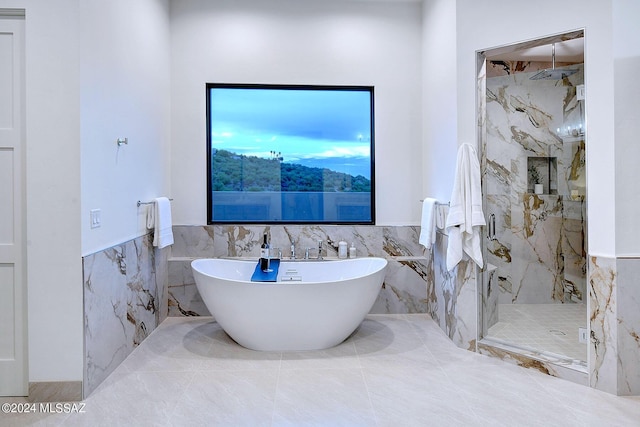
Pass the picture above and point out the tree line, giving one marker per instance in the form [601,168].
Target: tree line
[236,172]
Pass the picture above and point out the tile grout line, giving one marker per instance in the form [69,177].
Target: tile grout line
[275,392]
[366,387]
[181,396]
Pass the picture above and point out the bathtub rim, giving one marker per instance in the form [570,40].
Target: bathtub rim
[383,265]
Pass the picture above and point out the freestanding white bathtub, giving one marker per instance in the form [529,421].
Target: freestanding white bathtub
[312,305]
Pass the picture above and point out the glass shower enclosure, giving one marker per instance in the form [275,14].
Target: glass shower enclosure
[534,197]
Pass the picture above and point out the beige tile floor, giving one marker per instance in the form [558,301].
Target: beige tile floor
[551,328]
[396,370]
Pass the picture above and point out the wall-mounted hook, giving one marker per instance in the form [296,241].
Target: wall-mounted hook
[122,141]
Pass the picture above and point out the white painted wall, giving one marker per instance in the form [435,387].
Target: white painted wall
[124,92]
[288,41]
[94,71]
[54,273]
[439,99]
[493,23]
[626,54]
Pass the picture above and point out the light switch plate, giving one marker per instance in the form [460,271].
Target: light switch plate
[96,220]
[583,335]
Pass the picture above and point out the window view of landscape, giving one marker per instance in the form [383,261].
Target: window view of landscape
[290,153]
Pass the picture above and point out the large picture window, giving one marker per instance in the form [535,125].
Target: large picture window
[290,154]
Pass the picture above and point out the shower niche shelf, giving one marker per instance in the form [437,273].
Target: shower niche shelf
[542,171]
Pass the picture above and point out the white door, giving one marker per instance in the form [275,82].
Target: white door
[13,355]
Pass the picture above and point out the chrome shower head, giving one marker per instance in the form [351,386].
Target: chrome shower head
[552,73]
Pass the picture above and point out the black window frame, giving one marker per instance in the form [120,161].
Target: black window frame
[372,210]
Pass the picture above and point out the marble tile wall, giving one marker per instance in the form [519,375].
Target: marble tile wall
[540,238]
[405,285]
[603,357]
[507,68]
[628,323]
[453,297]
[454,303]
[552,225]
[537,254]
[615,325]
[416,280]
[125,299]
[128,293]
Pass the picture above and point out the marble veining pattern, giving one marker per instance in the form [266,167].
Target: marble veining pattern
[516,123]
[452,298]
[628,322]
[602,318]
[405,285]
[615,320]
[122,302]
[540,238]
[548,364]
[184,299]
[499,68]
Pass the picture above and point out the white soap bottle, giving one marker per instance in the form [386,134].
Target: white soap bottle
[342,249]
[352,251]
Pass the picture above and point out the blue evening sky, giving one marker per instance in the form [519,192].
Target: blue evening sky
[316,128]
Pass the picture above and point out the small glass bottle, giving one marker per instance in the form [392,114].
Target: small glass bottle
[352,251]
[342,249]
[264,254]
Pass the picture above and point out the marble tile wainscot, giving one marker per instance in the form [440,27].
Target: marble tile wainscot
[452,297]
[614,348]
[404,289]
[125,299]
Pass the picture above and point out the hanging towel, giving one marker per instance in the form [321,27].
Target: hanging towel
[159,220]
[441,216]
[428,223]
[465,214]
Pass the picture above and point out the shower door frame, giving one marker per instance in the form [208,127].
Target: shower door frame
[484,344]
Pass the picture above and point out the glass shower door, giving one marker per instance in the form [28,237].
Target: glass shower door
[534,281]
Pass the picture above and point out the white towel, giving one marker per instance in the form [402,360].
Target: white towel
[428,223]
[159,219]
[465,214]
[441,216]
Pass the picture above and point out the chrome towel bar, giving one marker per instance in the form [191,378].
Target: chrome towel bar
[438,203]
[147,203]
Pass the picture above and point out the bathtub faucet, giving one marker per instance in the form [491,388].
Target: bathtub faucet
[306,251]
[293,251]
